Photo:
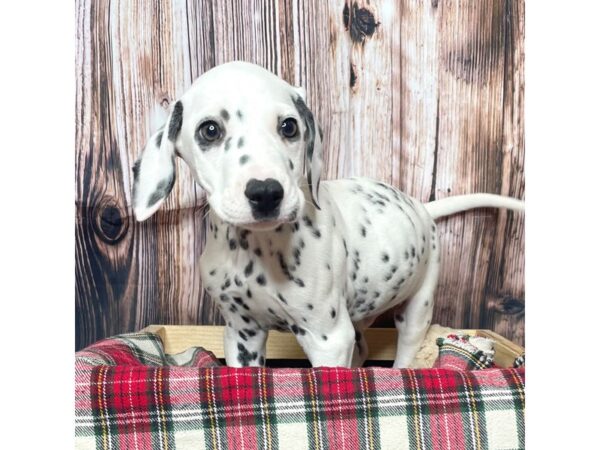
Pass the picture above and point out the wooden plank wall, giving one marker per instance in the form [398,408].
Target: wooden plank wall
[426,95]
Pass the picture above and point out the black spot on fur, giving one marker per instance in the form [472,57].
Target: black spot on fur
[324,337]
[248,293]
[248,269]
[224,298]
[286,269]
[225,114]
[239,114]
[237,281]
[240,143]
[176,121]
[291,164]
[352,76]
[162,190]
[226,284]
[385,257]
[258,252]
[309,136]
[244,159]
[413,251]
[212,272]
[244,239]
[242,335]
[246,319]
[309,306]
[333,313]
[296,252]
[261,280]
[244,357]
[228,144]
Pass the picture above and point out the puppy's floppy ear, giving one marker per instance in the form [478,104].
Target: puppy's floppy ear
[313,138]
[154,171]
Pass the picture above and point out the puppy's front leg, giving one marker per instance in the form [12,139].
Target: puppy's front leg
[331,346]
[245,346]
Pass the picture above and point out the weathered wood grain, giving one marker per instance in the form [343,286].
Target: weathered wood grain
[426,95]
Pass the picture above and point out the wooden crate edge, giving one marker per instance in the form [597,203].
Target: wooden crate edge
[381,341]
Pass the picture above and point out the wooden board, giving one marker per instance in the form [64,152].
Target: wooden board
[381,342]
[425,95]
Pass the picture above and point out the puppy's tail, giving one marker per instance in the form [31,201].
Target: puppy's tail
[453,205]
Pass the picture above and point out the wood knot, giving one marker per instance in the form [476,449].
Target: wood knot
[509,305]
[110,221]
[360,22]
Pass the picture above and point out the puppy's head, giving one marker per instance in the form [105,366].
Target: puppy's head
[247,136]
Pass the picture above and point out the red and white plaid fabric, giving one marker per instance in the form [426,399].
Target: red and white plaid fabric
[130,395]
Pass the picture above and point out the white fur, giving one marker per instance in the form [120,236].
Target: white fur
[325,273]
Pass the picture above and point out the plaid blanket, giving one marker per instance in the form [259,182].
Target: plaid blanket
[130,395]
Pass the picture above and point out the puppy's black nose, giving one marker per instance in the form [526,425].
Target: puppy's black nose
[264,197]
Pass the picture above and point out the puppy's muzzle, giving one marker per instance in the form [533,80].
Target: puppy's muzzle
[264,197]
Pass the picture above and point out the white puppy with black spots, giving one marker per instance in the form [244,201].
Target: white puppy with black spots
[283,250]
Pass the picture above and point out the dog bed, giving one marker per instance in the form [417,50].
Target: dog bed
[130,394]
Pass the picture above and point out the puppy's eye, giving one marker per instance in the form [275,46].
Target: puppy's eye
[289,128]
[209,131]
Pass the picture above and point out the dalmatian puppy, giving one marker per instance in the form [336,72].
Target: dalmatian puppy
[284,250]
